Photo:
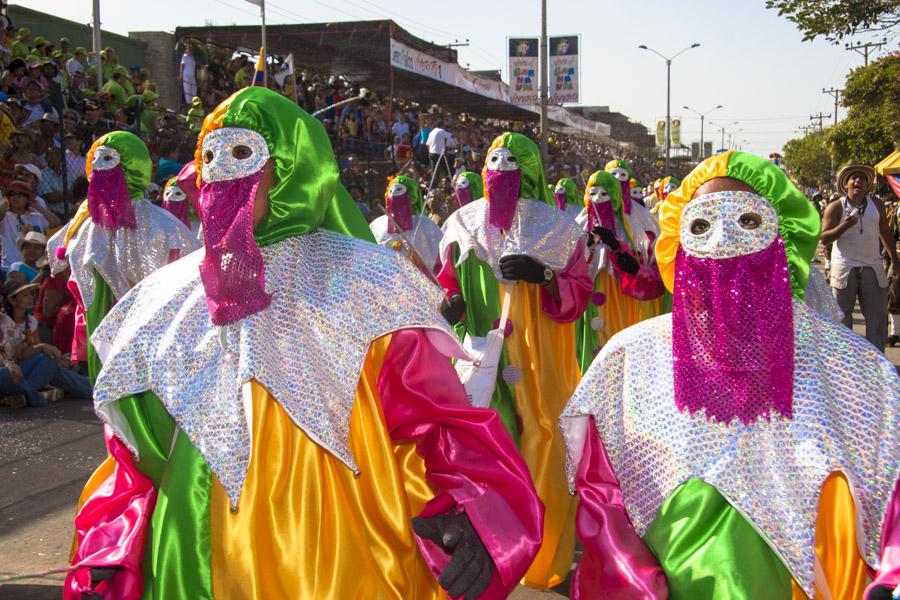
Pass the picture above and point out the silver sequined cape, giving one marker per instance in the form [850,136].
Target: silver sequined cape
[123,257]
[425,236]
[846,408]
[332,296]
[539,230]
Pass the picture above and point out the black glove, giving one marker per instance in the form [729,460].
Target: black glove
[521,267]
[627,263]
[607,237]
[453,308]
[471,569]
[880,592]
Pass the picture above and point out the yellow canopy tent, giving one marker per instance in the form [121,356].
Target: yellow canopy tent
[890,165]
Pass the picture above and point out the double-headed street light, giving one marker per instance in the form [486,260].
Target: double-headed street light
[668,93]
[702,116]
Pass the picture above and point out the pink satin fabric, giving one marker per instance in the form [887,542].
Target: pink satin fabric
[401,213]
[79,339]
[733,335]
[233,272]
[644,285]
[575,288]
[109,202]
[615,563]
[110,529]
[180,210]
[187,181]
[560,198]
[626,196]
[463,196]
[889,575]
[471,462]
[601,213]
[503,193]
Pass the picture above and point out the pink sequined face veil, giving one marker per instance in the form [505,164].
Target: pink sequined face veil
[463,191]
[732,317]
[399,207]
[600,209]
[232,271]
[175,201]
[559,194]
[109,201]
[503,180]
[625,183]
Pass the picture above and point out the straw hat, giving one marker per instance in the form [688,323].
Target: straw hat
[843,176]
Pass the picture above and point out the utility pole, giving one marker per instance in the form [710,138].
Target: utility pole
[265,50]
[545,96]
[863,49]
[820,118]
[837,94]
[98,47]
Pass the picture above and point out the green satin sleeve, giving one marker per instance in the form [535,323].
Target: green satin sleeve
[177,557]
[481,292]
[103,300]
[586,339]
[708,550]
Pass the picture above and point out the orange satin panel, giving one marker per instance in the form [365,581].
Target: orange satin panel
[836,547]
[306,527]
[545,351]
[618,311]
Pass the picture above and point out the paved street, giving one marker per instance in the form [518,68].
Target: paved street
[47,454]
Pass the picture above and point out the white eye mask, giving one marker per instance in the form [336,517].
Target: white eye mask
[620,173]
[105,158]
[462,183]
[727,224]
[397,189]
[173,193]
[233,153]
[598,195]
[502,159]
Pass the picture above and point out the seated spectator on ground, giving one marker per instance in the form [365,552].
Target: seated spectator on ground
[55,311]
[33,247]
[34,364]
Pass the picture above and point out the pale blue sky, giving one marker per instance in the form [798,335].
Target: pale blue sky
[750,60]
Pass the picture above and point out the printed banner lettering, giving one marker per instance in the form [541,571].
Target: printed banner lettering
[563,67]
[524,77]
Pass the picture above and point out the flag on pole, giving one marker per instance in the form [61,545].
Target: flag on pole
[286,70]
[260,68]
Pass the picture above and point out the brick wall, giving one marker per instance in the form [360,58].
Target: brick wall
[161,60]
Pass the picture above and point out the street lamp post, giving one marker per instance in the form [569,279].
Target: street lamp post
[668,94]
[702,117]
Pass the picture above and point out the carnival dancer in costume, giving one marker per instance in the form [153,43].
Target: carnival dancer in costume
[467,187]
[661,190]
[117,237]
[515,240]
[637,192]
[405,224]
[750,441]
[300,428]
[180,196]
[567,198]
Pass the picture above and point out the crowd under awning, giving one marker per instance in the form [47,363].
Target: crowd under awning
[384,57]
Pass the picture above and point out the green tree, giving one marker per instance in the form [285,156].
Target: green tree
[808,161]
[836,19]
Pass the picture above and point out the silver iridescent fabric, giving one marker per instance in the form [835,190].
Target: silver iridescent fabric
[425,236]
[573,210]
[333,295]
[539,230]
[123,257]
[819,297]
[846,408]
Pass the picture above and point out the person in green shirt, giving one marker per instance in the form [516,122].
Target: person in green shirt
[195,115]
[115,89]
[20,45]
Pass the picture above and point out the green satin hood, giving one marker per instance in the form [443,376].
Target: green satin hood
[412,189]
[615,164]
[534,184]
[307,193]
[475,184]
[608,182]
[135,160]
[571,190]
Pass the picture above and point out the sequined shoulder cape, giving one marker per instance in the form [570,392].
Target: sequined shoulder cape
[425,236]
[539,230]
[122,257]
[846,405]
[332,296]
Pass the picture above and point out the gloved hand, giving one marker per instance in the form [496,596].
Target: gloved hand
[521,267]
[627,263]
[607,237]
[471,569]
[880,592]
[453,308]
[98,574]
